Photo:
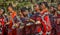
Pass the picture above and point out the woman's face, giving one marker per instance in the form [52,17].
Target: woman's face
[25,13]
[43,6]
[51,8]
[10,9]
[36,7]
[1,12]
[58,7]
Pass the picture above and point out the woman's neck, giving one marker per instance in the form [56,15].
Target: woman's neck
[44,9]
[12,11]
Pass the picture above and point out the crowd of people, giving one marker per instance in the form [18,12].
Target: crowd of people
[43,20]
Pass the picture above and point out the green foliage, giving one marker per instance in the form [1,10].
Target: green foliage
[4,3]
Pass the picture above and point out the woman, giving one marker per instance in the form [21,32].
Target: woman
[52,15]
[58,20]
[13,21]
[2,22]
[45,18]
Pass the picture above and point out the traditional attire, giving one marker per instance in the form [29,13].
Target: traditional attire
[3,20]
[13,20]
[58,23]
[45,22]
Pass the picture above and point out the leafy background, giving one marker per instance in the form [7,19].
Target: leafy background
[21,3]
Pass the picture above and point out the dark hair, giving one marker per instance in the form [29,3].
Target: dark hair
[23,9]
[45,3]
[59,3]
[39,3]
[10,5]
[3,10]
[52,6]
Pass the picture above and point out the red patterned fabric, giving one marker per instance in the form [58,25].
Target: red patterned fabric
[2,22]
[13,31]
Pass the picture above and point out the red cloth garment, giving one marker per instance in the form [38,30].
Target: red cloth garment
[12,31]
[38,25]
[42,26]
[2,22]
[48,23]
[45,21]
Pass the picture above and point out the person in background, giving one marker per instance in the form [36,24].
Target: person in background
[37,19]
[53,10]
[36,8]
[24,17]
[30,12]
[3,21]
[21,25]
[52,15]
[58,14]
[58,20]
